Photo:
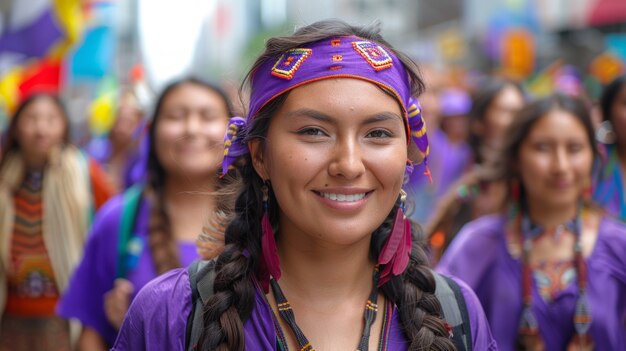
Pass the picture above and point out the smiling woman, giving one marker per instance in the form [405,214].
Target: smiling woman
[550,268]
[151,229]
[317,243]
[48,190]
[322,152]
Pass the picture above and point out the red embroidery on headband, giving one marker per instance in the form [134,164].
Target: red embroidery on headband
[289,62]
[337,58]
[374,54]
[335,42]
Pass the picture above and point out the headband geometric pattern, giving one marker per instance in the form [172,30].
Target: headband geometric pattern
[337,57]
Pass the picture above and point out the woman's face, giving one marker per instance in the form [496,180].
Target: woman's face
[500,114]
[618,115]
[190,131]
[127,120]
[41,127]
[335,155]
[555,160]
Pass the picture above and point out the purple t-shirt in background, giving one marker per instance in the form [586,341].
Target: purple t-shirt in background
[447,163]
[97,271]
[479,256]
[162,326]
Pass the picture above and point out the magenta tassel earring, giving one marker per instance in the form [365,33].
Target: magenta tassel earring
[270,263]
[397,250]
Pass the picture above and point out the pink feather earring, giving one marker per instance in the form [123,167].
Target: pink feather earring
[270,262]
[397,250]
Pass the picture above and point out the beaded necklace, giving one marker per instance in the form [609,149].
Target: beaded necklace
[286,313]
[528,326]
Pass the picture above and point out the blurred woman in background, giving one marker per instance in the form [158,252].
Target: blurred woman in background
[118,152]
[493,108]
[48,192]
[153,228]
[549,269]
[609,192]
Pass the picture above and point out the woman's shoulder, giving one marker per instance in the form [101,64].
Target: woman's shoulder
[608,253]
[612,229]
[473,251]
[173,284]
[109,215]
[112,210]
[480,234]
[157,317]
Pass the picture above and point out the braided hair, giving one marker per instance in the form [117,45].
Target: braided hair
[232,302]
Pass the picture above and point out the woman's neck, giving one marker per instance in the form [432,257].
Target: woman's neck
[34,164]
[316,271]
[188,205]
[550,216]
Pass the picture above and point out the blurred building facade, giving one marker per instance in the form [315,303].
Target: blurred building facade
[218,40]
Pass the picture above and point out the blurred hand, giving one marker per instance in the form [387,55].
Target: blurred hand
[116,302]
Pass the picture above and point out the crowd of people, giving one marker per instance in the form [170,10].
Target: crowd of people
[362,202]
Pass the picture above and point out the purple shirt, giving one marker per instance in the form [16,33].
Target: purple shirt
[97,271]
[162,326]
[480,257]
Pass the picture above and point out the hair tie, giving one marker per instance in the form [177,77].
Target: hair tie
[234,145]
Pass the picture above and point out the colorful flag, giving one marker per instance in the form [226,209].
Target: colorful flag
[93,59]
[35,37]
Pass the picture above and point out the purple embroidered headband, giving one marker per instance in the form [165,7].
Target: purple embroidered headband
[338,57]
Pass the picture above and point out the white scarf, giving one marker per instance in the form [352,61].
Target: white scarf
[67,206]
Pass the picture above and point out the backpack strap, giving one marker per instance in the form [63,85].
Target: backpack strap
[455,313]
[201,277]
[130,208]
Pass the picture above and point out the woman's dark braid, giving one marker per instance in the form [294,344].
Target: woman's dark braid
[161,241]
[413,293]
[233,298]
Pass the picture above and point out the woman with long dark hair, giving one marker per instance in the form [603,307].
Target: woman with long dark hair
[494,104]
[153,228]
[549,268]
[48,192]
[318,251]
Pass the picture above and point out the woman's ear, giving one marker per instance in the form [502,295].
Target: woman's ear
[258,162]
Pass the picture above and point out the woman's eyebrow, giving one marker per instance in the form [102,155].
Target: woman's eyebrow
[381,117]
[377,117]
[307,112]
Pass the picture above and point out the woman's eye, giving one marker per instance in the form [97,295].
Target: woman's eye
[379,133]
[311,132]
[575,148]
[176,114]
